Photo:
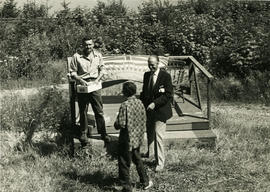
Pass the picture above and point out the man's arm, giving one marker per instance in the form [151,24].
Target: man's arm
[74,69]
[78,78]
[142,94]
[167,95]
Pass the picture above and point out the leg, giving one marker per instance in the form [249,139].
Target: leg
[160,133]
[124,160]
[136,159]
[97,106]
[83,108]
[150,130]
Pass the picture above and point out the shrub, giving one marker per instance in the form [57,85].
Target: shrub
[257,87]
[49,109]
[227,89]
[253,88]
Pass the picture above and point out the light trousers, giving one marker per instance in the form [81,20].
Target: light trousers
[155,135]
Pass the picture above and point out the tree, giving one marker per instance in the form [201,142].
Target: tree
[33,10]
[10,9]
[113,9]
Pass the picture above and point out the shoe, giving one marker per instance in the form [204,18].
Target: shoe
[106,138]
[150,184]
[159,168]
[84,140]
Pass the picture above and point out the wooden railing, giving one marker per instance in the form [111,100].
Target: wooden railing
[193,65]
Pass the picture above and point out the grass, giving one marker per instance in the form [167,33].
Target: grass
[54,72]
[239,162]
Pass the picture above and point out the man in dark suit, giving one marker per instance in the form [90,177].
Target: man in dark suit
[156,95]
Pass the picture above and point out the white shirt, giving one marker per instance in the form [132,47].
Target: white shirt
[155,76]
[92,65]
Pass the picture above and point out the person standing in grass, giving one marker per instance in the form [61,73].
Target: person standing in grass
[156,95]
[84,68]
[131,121]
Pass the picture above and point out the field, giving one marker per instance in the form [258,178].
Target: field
[239,162]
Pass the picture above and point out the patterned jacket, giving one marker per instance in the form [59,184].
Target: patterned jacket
[131,121]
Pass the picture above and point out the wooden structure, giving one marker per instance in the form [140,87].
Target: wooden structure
[192,101]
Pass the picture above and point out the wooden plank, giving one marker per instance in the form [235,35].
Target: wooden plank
[209,85]
[179,57]
[193,134]
[72,95]
[201,68]
[188,126]
[201,138]
[170,127]
[186,118]
[197,90]
[189,106]
[68,64]
[176,123]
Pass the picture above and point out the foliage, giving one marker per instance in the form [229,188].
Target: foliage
[227,37]
[230,33]
[9,9]
[48,108]
[252,89]
[33,10]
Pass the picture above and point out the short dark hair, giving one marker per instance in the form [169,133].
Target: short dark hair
[87,38]
[156,56]
[129,89]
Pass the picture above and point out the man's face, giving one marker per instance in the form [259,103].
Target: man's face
[152,64]
[88,46]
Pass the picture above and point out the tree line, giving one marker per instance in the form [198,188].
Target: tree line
[230,38]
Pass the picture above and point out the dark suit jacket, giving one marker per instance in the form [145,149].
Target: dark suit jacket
[162,100]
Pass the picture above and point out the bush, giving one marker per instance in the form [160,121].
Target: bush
[257,87]
[227,89]
[49,109]
[254,88]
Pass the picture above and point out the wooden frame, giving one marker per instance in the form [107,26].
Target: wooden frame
[194,64]
[190,60]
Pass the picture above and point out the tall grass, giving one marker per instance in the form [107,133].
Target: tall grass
[239,162]
[53,72]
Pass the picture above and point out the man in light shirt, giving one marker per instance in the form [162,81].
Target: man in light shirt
[84,68]
[156,95]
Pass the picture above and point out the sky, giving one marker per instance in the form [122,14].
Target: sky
[56,4]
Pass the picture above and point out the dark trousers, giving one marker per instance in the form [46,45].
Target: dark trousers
[95,100]
[124,160]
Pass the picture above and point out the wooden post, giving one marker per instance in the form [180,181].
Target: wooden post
[209,82]
[190,73]
[197,89]
[72,96]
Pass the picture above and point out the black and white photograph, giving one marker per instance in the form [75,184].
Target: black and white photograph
[135,95]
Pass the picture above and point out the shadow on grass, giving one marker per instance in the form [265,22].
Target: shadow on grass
[149,163]
[45,148]
[112,147]
[182,167]
[103,181]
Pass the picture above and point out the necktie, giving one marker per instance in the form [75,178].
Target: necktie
[151,83]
